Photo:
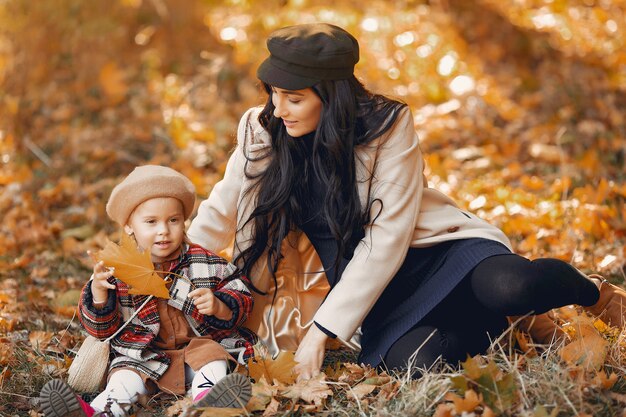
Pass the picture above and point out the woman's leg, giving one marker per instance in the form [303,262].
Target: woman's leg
[458,326]
[122,391]
[512,285]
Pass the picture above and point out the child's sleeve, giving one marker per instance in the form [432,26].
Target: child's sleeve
[99,323]
[234,291]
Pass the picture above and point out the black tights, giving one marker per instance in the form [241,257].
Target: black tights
[499,286]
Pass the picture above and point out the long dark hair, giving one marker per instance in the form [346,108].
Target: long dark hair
[351,116]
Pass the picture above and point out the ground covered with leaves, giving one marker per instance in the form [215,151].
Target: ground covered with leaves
[520,107]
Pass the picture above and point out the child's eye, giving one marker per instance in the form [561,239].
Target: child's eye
[293,101]
[174,220]
[150,221]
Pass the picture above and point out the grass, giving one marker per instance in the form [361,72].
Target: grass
[535,383]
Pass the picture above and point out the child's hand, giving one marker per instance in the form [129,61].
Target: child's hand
[100,284]
[209,305]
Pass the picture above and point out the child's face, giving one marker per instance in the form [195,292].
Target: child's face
[159,226]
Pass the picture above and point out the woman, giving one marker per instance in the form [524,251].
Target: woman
[328,159]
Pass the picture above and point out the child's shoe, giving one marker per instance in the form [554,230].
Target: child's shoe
[232,391]
[611,307]
[57,399]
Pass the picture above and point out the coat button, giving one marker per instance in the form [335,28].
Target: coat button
[453,229]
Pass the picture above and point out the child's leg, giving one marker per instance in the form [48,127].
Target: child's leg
[122,390]
[207,376]
[212,386]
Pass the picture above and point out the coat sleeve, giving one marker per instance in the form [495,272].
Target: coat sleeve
[235,293]
[226,281]
[397,186]
[99,323]
[215,225]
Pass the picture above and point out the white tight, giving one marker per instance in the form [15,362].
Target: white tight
[124,386]
[206,376]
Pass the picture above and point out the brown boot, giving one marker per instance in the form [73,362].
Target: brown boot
[541,328]
[611,307]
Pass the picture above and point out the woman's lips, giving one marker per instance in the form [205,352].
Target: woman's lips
[289,123]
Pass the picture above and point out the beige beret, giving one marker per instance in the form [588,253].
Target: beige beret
[146,182]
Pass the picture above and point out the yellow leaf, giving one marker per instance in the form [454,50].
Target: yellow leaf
[133,267]
[279,369]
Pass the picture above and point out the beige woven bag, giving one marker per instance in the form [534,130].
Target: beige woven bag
[88,370]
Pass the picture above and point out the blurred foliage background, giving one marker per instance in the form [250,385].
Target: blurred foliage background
[519,105]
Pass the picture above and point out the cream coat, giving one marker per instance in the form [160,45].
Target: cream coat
[412,215]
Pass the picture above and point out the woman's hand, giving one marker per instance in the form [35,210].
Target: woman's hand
[310,353]
[100,285]
[209,305]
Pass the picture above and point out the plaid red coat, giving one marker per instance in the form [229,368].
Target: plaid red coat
[132,346]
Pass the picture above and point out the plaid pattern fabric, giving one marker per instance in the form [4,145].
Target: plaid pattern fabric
[201,269]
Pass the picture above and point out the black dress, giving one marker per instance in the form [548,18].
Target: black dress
[425,278]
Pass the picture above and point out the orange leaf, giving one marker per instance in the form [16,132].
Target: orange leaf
[133,267]
[279,369]
[444,410]
[469,403]
[605,381]
[589,349]
[112,81]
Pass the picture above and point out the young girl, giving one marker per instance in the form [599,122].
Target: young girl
[330,160]
[185,341]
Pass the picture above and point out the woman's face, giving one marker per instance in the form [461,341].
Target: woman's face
[300,110]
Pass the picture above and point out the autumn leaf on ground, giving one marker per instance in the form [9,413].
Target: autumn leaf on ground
[604,381]
[133,267]
[497,388]
[312,391]
[468,404]
[262,395]
[279,369]
[589,349]
[112,81]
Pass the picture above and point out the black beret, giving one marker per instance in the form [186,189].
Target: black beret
[303,55]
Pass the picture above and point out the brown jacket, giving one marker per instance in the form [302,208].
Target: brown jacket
[412,215]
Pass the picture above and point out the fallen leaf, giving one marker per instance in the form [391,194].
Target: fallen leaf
[133,267]
[39,339]
[468,404]
[604,380]
[444,410]
[361,390]
[279,369]
[112,81]
[272,409]
[262,395]
[589,349]
[311,391]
